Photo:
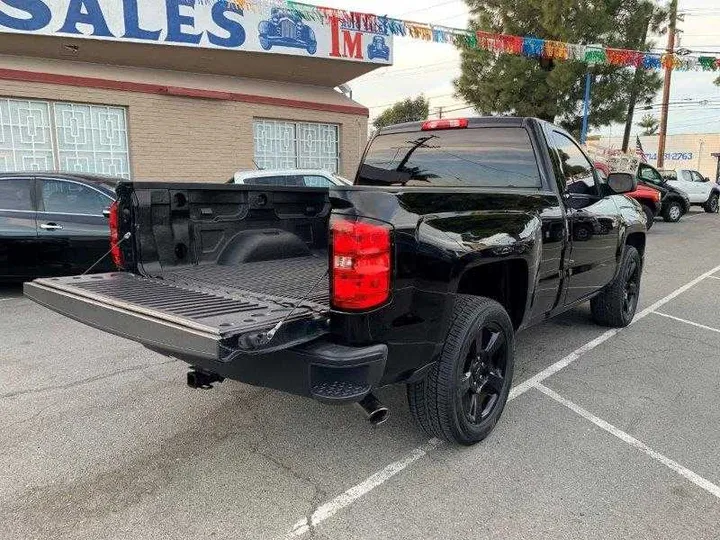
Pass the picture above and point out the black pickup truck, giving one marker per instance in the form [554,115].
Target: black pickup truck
[456,234]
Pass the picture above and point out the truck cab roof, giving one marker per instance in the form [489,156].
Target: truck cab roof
[472,122]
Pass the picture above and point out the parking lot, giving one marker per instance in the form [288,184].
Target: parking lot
[609,434]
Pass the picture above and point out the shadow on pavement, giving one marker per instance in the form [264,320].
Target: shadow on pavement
[10,290]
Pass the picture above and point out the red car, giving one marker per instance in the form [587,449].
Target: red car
[649,198]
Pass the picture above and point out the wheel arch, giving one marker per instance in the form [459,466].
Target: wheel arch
[505,281]
[638,241]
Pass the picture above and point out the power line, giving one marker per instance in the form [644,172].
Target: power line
[409,69]
[394,102]
[432,6]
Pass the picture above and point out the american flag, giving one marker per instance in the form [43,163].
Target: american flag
[639,152]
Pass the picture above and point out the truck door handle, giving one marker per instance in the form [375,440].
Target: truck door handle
[51,227]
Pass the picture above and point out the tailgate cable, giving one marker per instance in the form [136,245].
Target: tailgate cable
[112,246]
[268,336]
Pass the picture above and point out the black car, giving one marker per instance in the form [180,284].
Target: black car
[53,224]
[675,202]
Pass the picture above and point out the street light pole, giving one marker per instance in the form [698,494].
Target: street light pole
[666,87]
[586,109]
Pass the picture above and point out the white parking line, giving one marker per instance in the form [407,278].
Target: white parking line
[688,322]
[12,298]
[632,441]
[573,356]
[351,495]
[714,277]
[332,507]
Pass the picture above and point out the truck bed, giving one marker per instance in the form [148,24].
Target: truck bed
[216,302]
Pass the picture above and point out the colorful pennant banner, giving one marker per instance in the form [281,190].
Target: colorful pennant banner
[528,46]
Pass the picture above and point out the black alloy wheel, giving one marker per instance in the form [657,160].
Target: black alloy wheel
[463,396]
[632,288]
[649,215]
[482,378]
[615,306]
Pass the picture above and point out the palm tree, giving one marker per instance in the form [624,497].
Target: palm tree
[649,124]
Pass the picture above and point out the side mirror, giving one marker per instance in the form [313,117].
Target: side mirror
[621,183]
[707,178]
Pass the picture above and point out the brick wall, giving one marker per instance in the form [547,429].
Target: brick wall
[193,139]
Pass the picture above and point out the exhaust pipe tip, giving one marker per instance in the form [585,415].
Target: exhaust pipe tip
[201,380]
[374,411]
[379,416]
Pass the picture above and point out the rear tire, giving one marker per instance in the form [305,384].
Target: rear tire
[650,215]
[673,212]
[711,206]
[464,394]
[616,305]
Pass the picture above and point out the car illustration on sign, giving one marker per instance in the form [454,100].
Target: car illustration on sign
[378,49]
[286,29]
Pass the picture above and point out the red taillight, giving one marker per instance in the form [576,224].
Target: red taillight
[449,123]
[360,260]
[114,222]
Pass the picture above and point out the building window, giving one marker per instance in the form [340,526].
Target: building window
[70,137]
[296,145]
[25,136]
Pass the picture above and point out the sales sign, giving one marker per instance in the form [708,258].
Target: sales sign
[214,24]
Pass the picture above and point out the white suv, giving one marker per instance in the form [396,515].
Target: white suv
[290,178]
[701,191]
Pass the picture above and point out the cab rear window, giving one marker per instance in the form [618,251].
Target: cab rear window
[478,157]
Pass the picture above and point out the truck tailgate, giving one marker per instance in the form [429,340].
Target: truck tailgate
[185,317]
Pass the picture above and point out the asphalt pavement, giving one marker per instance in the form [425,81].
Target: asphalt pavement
[610,434]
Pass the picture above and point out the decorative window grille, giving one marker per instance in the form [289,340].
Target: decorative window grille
[42,135]
[25,136]
[296,145]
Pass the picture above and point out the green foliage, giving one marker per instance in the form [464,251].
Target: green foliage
[508,84]
[649,124]
[408,110]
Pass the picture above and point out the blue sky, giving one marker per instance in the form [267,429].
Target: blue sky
[430,68]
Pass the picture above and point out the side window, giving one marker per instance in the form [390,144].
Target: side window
[685,175]
[649,174]
[317,181]
[697,177]
[577,170]
[70,198]
[15,194]
[264,181]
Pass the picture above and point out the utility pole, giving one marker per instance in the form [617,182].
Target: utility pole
[440,111]
[666,88]
[636,84]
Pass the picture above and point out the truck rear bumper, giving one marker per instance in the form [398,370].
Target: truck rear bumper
[319,369]
[322,370]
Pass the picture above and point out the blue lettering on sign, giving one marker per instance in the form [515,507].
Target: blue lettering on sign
[36,15]
[234,28]
[132,23]
[85,12]
[40,15]
[176,22]
[672,156]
